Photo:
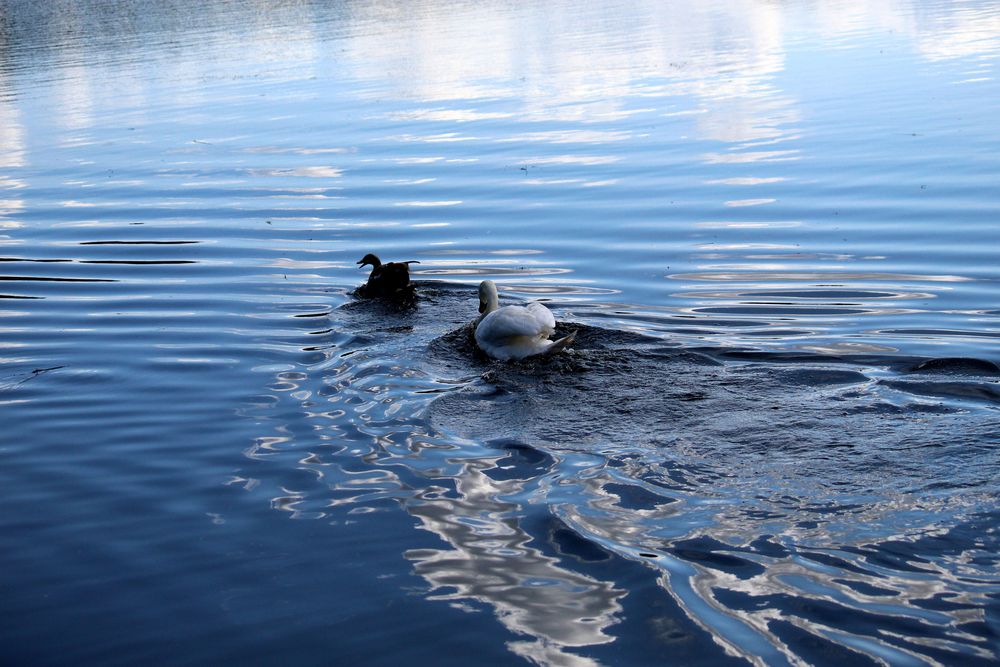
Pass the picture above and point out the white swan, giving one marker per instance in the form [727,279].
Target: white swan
[515,332]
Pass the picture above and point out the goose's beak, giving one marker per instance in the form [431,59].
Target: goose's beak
[482,306]
[361,262]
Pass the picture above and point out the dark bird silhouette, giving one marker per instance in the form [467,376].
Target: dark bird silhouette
[390,280]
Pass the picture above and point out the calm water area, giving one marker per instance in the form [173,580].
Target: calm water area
[775,227]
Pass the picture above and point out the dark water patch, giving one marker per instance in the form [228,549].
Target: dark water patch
[521,461]
[894,362]
[832,277]
[896,556]
[865,588]
[491,271]
[14,380]
[57,280]
[16,296]
[578,290]
[711,553]
[939,333]
[825,294]
[567,542]
[717,325]
[636,397]
[957,365]
[840,564]
[138,262]
[835,615]
[946,390]
[815,649]
[139,242]
[635,497]
[979,527]
[944,602]
[878,407]
[752,309]
[822,377]
[774,334]
[680,354]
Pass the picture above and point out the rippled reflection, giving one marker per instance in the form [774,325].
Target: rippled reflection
[780,447]
[489,557]
[775,560]
[547,93]
[491,560]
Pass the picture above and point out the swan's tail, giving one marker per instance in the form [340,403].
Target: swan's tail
[561,344]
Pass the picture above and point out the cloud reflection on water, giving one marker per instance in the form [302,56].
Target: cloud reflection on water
[488,557]
[546,57]
[491,561]
[723,76]
[713,77]
[560,62]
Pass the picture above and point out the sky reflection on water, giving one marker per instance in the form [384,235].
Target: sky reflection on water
[797,201]
[662,128]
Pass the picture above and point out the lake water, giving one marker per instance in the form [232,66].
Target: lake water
[775,227]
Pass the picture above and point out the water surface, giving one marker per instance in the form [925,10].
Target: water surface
[774,226]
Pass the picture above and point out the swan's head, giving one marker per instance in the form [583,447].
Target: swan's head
[369,259]
[488,299]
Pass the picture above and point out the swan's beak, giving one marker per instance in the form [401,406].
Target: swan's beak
[361,262]
[482,306]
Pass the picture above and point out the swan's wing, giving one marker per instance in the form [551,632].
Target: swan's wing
[543,316]
[511,321]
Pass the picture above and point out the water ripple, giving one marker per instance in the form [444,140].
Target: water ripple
[775,441]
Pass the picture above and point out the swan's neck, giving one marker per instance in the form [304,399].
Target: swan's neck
[492,303]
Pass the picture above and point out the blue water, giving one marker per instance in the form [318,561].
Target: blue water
[775,227]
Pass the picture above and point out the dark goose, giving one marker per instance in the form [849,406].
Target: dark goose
[390,280]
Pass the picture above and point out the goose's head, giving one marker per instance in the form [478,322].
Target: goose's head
[370,259]
[488,299]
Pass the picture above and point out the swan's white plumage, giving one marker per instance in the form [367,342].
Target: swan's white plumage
[514,332]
